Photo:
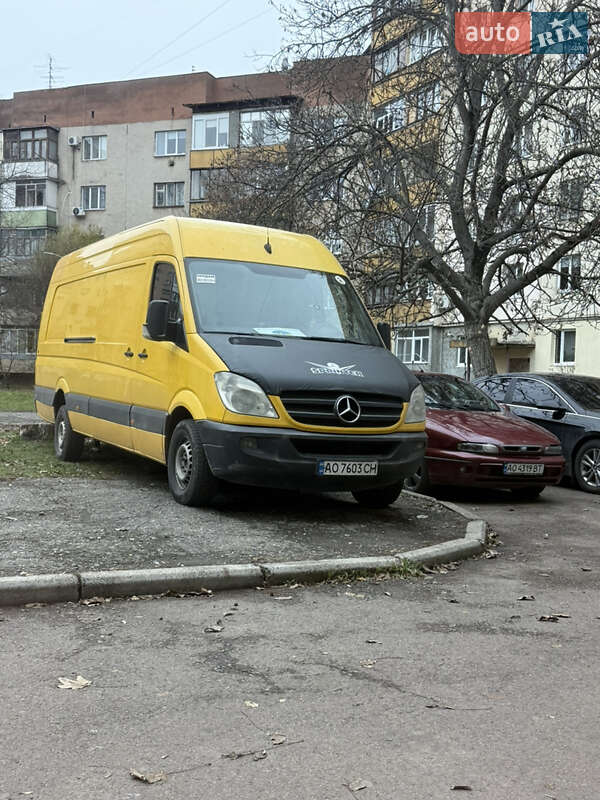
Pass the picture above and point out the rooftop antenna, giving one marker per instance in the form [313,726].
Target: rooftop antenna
[268,247]
[51,71]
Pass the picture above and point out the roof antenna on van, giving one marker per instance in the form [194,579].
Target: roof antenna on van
[268,247]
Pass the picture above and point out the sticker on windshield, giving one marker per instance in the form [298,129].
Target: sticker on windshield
[339,279]
[331,368]
[206,278]
[280,332]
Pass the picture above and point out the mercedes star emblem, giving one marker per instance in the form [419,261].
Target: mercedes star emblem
[347,409]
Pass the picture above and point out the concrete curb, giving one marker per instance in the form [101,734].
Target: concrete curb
[73,587]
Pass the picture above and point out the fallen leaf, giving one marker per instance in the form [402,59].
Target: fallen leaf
[34,605]
[563,616]
[277,738]
[526,597]
[586,569]
[368,663]
[214,628]
[356,787]
[250,704]
[259,756]
[94,601]
[388,594]
[461,787]
[354,594]
[77,683]
[372,641]
[295,585]
[548,618]
[422,516]
[121,530]
[229,614]
[150,777]
[286,597]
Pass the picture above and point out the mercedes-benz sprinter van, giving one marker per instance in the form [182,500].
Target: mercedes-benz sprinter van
[231,354]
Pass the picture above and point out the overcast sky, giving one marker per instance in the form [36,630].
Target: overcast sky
[117,40]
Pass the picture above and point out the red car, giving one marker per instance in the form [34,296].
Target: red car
[472,441]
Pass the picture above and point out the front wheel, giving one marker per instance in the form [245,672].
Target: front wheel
[190,480]
[587,466]
[68,444]
[528,492]
[379,498]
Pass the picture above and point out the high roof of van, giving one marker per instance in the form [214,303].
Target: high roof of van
[184,237]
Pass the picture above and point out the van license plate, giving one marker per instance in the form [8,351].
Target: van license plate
[523,469]
[347,468]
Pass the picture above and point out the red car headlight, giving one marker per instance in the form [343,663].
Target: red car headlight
[478,447]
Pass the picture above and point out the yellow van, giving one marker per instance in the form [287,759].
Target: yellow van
[230,353]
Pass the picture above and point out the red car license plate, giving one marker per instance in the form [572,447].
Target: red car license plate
[523,469]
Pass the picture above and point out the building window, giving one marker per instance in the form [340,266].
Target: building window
[30,194]
[210,131]
[390,117]
[390,60]
[168,194]
[20,242]
[564,347]
[423,42]
[204,182]
[31,144]
[412,346]
[426,101]
[93,198]
[169,143]
[569,268]
[94,148]
[264,127]
[461,356]
[18,342]
[571,199]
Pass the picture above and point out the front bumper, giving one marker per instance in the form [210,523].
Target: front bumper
[470,469]
[285,458]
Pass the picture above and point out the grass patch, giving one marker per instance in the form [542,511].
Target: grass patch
[16,400]
[34,458]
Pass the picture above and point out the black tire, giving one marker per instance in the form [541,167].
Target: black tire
[68,444]
[419,481]
[379,498]
[190,480]
[528,492]
[587,466]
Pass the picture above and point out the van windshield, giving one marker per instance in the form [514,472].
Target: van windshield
[260,299]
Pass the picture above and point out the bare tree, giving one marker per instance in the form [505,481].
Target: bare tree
[471,178]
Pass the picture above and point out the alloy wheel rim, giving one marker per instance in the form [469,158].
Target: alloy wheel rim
[183,464]
[590,467]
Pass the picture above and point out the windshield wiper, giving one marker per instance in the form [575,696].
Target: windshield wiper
[333,339]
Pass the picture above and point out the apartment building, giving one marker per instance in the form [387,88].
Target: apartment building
[115,155]
[548,332]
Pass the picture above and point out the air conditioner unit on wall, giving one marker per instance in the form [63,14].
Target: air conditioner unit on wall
[78,212]
[73,141]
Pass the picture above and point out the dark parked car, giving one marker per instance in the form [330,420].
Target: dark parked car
[471,441]
[566,405]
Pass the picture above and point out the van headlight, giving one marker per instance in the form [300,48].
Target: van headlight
[243,396]
[416,406]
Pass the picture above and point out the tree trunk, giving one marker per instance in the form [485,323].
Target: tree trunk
[480,349]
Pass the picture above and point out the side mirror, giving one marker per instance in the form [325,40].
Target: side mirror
[156,319]
[383,329]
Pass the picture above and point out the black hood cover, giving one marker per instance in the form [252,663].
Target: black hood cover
[286,364]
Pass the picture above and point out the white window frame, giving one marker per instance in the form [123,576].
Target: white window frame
[171,192]
[93,197]
[202,186]
[87,143]
[416,340]
[422,42]
[559,346]
[568,267]
[164,139]
[274,127]
[461,356]
[199,124]
[31,189]
[391,116]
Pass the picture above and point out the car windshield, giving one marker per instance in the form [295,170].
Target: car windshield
[260,299]
[447,392]
[585,391]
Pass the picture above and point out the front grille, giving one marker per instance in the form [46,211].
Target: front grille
[317,408]
[343,447]
[522,450]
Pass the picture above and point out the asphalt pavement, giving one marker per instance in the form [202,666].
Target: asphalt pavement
[484,676]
